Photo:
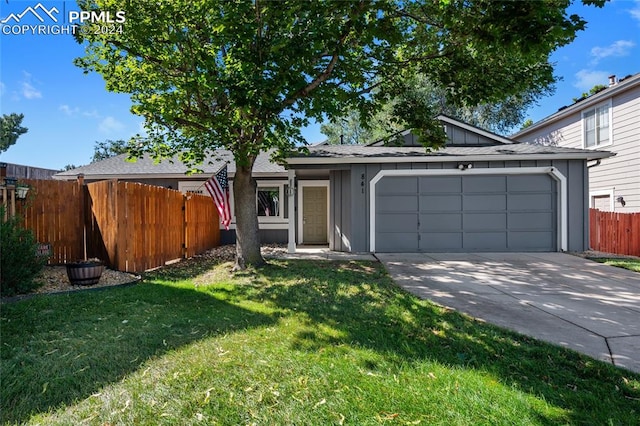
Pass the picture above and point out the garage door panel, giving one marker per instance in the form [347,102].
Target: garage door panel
[398,203]
[397,222]
[531,221]
[529,183]
[397,242]
[397,185]
[484,202]
[441,222]
[488,241]
[484,221]
[485,184]
[466,213]
[440,203]
[440,184]
[441,241]
[539,241]
[529,202]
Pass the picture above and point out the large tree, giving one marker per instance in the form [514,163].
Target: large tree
[109,148]
[11,125]
[420,93]
[247,75]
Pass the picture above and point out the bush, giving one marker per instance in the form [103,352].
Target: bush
[19,260]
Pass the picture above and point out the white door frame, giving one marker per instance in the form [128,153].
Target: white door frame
[301,185]
[551,171]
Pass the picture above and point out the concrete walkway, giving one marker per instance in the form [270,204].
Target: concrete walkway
[563,299]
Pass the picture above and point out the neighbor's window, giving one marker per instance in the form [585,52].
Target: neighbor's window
[269,201]
[596,126]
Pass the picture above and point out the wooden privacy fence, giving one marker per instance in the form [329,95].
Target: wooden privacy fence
[614,232]
[130,226]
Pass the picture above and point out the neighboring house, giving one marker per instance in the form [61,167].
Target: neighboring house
[610,120]
[481,192]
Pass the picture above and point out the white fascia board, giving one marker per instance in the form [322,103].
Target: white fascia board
[552,171]
[476,130]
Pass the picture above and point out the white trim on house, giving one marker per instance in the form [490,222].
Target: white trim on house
[603,193]
[280,184]
[310,183]
[583,130]
[552,171]
[291,243]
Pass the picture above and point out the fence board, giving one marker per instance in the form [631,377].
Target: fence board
[54,212]
[612,232]
[130,226]
[202,224]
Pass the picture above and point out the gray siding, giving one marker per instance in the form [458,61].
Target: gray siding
[462,137]
[340,215]
[267,236]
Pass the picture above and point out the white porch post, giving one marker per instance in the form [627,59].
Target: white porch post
[291,193]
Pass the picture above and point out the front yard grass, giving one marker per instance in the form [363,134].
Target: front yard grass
[297,342]
[631,264]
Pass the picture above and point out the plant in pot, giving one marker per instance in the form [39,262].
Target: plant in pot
[85,272]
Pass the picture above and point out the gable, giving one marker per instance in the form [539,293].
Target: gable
[458,134]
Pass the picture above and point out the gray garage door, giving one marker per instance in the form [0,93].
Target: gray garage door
[466,213]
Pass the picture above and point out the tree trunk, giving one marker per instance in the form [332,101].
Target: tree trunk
[247,237]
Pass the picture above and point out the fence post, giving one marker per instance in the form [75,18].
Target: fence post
[185,233]
[82,195]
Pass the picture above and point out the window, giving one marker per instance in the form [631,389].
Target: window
[602,200]
[596,126]
[269,201]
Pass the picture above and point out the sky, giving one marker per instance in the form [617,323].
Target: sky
[67,111]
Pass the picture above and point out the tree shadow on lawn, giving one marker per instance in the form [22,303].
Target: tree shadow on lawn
[75,344]
[362,302]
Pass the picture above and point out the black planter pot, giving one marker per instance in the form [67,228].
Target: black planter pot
[84,273]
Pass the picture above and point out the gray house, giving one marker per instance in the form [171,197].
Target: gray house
[481,192]
[609,119]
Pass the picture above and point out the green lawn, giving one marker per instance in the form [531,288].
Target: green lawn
[631,264]
[298,342]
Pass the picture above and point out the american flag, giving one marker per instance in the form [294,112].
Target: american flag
[218,187]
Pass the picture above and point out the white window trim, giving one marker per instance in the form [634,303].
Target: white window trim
[301,185]
[562,242]
[600,193]
[280,184]
[264,222]
[582,124]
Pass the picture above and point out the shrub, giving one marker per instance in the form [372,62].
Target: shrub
[19,260]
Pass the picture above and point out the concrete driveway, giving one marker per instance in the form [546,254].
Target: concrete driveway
[563,299]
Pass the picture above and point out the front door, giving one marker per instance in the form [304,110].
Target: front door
[314,215]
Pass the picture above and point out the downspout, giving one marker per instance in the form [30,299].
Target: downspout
[597,163]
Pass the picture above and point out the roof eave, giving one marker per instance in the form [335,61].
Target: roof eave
[595,155]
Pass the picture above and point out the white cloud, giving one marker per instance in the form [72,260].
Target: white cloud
[635,12]
[110,125]
[30,92]
[91,114]
[68,110]
[616,49]
[586,79]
